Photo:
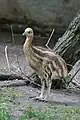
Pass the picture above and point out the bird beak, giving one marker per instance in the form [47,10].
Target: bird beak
[24,34]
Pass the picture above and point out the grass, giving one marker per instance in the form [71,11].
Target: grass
[45,113]
[4,109]
[52,113]
[55,112]
[4,113]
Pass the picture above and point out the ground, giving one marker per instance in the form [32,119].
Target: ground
[23,96]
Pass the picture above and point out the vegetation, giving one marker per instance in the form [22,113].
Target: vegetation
[44,113]
[4,109]
[52,113]
[55,112]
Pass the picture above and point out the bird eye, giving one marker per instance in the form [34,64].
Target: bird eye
[29,32]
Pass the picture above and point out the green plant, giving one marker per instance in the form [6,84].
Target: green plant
[52,113]
[4,110]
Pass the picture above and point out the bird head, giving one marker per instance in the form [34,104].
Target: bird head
[28,32]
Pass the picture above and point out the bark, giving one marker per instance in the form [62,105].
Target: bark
[68,46]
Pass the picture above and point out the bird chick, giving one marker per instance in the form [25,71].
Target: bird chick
[47,65]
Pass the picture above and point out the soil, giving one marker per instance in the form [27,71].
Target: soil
[27,93]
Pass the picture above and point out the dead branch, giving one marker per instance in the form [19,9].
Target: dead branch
[6,48]
[5,77]
[16,67]
[6,55]
[75,74]
[49,39]
[76,84]
[14,80]
[12,33]
[12,83]
[19,65]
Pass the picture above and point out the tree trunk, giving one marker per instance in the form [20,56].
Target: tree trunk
[68,46]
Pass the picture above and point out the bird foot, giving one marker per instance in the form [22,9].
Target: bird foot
[40,99]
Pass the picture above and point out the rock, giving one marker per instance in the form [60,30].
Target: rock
[42,16]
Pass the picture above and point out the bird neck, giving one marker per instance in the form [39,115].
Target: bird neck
[28,44]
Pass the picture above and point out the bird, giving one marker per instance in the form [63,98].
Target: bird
[47,64]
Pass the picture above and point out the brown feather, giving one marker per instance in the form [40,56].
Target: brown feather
[45,62]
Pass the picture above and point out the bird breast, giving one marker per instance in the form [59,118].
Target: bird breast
[34,60]
[45,62]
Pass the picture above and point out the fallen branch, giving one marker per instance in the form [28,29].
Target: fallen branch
[14,80]
[5,77]
[13,83]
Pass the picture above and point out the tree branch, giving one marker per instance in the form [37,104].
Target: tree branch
[6,55]
[49,39]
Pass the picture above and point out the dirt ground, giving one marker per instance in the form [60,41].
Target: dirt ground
[28,92]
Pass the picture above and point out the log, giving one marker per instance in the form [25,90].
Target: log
[68,46]
[4,77]
[8,80]
[12,83]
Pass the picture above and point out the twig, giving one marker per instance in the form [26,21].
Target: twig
[16,67]
[19,64]
[12,35]
[49,39]
[6,55]
[69,65]
[76,84]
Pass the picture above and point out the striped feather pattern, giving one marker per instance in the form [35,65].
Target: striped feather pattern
[45,62]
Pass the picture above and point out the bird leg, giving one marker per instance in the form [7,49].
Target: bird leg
[48,83]
[42,90]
